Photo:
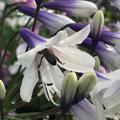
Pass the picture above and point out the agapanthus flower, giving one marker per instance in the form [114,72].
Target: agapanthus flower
[105,43]
[98,33]
[84,110]
[50,20]
[54,22]
[107,54]
[73,60]
[75,8]
[107,94]
[109,37]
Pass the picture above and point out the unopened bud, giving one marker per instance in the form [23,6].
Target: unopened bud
[84,86]
[68,91]
[2,90]
[97,62]
[97,26]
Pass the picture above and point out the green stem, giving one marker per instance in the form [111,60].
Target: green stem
[8,45]
[36,17]
[1,30]
[1,110]
[34,23]
[40,114]
[12,10]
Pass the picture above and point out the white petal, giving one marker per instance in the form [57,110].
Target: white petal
[77,38]
[115,75]
[21,48]
[99,108]
[111,97]
[57,38]
[57,77]
[29,81]
[27,58]
[84,110]
[107,84]
[117,47]
[112,93]
[113,110]
[100,86]
[83,8]
[51,75]
[74,59]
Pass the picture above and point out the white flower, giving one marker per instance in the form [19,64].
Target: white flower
[107,93]
[70,58]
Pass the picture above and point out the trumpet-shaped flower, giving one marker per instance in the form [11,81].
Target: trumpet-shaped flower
[108,52]
[107,93]
[75,8]
[67,57]
[51,21]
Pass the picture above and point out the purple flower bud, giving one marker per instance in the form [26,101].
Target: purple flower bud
[51,20]
[75,8]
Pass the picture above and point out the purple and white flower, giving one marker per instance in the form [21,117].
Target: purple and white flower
[60,45]
[84,110]
[75,8]
[50,20]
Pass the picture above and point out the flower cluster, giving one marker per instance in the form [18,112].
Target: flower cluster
[66,55]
